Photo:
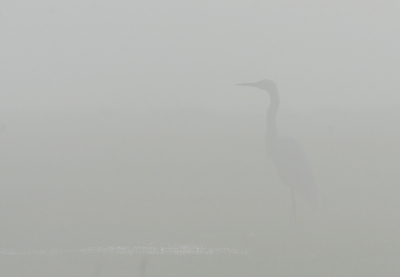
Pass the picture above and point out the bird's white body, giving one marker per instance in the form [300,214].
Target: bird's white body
[294,170]
[290,160]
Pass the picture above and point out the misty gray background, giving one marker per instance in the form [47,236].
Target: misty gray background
[121,125]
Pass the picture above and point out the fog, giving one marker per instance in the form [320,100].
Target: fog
[121,126]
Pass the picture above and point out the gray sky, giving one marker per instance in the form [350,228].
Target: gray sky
[92,176]
[143,54]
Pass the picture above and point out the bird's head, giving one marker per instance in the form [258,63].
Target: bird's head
[264,84]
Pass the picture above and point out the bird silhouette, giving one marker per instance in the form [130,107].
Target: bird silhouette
[290,160]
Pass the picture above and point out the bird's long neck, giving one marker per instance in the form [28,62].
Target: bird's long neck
[272,128]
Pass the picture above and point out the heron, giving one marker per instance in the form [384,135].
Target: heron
[291,163]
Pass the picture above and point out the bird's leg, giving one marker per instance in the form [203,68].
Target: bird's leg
[293,214]
[143,266]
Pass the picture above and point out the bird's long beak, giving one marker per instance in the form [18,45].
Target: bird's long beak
[247,84]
